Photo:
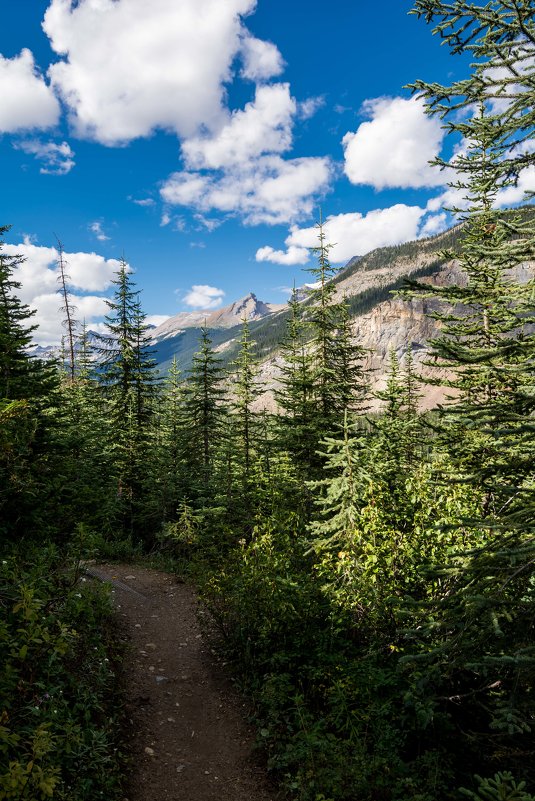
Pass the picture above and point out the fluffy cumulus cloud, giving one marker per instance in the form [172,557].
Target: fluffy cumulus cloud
[434,224]
[88,273]
[56,158]
[292,255]
[263,126]
[240,170]
[261,60]
[129,67]
[266,190]
[394,148]
[27,100]
[49,315]
[203,296]
[351,234]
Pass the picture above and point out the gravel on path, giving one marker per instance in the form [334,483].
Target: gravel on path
[187,732]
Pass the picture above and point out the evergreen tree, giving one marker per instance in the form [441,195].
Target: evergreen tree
[324,319]
[295,395]
[21,376]
[499,36]
[205,413]
[28,405]
[242,436]
[86,351]
[339,384]
[486,344]
[322,375]
[246,390]
[171,437]
[128,375]
[352,386]
[341,500]
[86,475]
[474,636]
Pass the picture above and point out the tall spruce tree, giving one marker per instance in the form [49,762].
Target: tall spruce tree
[352,385]
[499,36]
[322,377]
[21,375]
[339,384]
[245,424]
[204,413]
[486,344]
[171,438]
[129,379]
[324,318]
[475,636]
[28,394]
[295,394]
[246,390]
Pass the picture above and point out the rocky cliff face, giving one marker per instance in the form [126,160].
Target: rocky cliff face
[392,323]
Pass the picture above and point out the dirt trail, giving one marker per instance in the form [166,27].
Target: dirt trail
[187,732]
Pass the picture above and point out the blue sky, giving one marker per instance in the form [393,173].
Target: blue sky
[199,138]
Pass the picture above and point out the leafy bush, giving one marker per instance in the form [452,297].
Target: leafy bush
[58,715]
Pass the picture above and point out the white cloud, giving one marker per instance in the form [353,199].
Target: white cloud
[394,148]
[58,159]
[351,234]
[293,255]
[96,228]
[261,60]
[179,224]
[307,108]
[264,126]
[184,189]
[210,223]
[266,190]
[202,296]
[88,273]
[26,100]
[435,224]
[131,67]
[49,315]
[512,195]
[239,169]
[144,201]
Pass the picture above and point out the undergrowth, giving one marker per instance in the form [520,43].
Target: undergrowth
[59,700]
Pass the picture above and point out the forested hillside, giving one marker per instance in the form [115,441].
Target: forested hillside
[369,574]
[386,268]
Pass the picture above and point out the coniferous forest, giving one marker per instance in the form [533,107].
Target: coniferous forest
[370,576]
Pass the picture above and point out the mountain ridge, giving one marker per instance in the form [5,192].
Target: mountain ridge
[249,307]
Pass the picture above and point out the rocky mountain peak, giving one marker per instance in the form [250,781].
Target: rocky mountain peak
[249,307]
[229,316]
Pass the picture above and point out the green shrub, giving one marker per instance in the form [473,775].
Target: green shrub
[58,715]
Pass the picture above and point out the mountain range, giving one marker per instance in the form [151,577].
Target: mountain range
[381,321]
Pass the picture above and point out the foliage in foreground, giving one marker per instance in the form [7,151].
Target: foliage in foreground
[59,707]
